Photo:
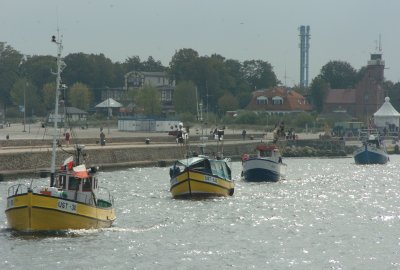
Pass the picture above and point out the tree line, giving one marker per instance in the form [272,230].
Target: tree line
[220,84]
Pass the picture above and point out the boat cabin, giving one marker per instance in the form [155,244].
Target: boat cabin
[373,141]
[203,165]
[78,185]
[267,151]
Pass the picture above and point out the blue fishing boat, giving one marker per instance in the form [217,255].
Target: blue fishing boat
[265,166]
[372,151]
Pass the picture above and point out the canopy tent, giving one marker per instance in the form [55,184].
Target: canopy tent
[386,116]
[109,104]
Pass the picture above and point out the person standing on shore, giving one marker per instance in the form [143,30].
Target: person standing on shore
[102,138]
[67,137]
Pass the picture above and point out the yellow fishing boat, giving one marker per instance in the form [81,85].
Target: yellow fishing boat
[72,200]
[201,177]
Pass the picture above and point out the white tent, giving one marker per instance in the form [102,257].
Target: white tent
[386,116]
[109,104]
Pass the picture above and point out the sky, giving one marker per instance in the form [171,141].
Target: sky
[343,30]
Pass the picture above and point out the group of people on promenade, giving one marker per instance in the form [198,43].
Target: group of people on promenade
[67,137]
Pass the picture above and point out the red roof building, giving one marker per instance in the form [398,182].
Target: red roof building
[278,100]
[367,97]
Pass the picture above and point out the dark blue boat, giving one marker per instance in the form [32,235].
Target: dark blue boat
[372,151]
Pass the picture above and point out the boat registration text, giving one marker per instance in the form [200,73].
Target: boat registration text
[210,179]
[66,206]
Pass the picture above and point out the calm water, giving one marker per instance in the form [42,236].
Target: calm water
[327,214]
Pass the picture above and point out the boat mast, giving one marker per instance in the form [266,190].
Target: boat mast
[60,66]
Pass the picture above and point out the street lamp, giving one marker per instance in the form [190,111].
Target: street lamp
[26,85]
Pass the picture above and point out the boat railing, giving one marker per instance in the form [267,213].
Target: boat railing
[104,195]
[17,189]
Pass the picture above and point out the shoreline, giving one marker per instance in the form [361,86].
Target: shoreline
[30,156]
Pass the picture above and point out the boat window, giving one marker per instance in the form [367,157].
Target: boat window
[73,183]
[61,182]
[226,171]
[217,169]
[214,168]
[87,184]
[94,182]
[203,166]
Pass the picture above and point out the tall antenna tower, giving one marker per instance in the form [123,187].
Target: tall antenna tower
[304,54]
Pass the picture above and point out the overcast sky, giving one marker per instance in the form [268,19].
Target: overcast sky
[346,30]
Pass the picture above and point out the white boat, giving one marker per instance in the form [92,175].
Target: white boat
[265,166]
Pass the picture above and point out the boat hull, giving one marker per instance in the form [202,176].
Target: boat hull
[370,155]
[190,184]
[263,170]
[37,212]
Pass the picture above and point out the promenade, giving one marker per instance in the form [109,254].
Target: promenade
[36,132]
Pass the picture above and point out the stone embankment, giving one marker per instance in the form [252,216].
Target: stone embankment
[31,157]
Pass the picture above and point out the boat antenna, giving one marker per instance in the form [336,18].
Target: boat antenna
[60,66]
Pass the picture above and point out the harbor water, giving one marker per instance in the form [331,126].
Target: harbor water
[327,214]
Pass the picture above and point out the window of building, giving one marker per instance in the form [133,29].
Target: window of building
[166,95]
[277,100]
[261,100]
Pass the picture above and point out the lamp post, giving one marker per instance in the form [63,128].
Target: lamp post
[26,85]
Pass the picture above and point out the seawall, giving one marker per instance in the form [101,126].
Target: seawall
[122,153]
[36,161]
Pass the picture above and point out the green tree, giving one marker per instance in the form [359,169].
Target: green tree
[149,99]
[79,96]
[182,65]
[249,118]
[318,90]
[152,65]
[24,90]
[239,85]
[259,74]
[228,103]
[185,97]
[133,63]
[38,69]
[10,60]
[244,99]
[339,75]
[49,95]
[95,71]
